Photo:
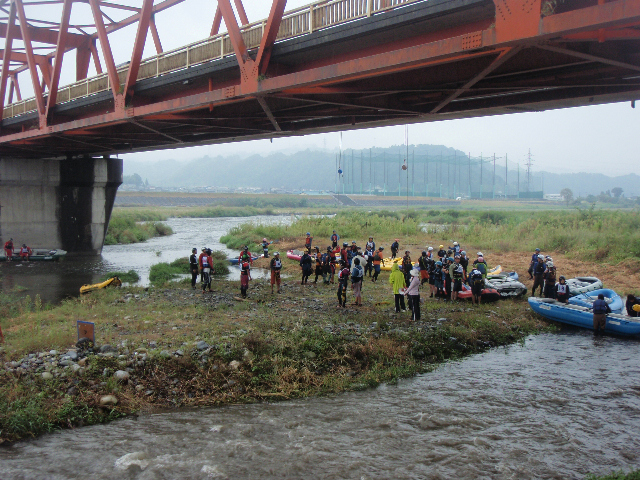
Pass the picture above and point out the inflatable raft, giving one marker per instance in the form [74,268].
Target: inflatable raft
[583,284]
[37,255]
[616,304]
[580,316]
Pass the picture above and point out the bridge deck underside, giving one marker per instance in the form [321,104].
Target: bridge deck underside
[345,89]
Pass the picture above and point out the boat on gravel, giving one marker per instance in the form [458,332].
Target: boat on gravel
[37,255]
[113,282]
[506,285]
[586,299]
[579,285]
[580,316]
[295,254]
[489,294]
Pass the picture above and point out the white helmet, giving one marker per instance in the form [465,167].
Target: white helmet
[430,249]
[480,254]
[455,244]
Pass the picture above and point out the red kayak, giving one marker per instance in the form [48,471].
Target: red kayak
[294,254]
[488,294]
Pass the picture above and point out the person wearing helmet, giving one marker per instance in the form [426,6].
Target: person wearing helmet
[344,254]
[275,266]
[377,260]
[476,281]
[343,282]
[441,252]
[203,252]
[357,277]
[306,265]
[464,261]
[307,242]
[600,310]
[550,280]
[334,239]
[333,254]
[207,270]
[352,253]
[265,247]
[562,292]
[534,260]
[457,273]
[193,267]
[371,245]
[632,301]
[538,275]
[317,257]
[456,248]
[245,256]
[481,264]
[245,276]
[25,252]
[439,280]
[431,269]
[430,252]
[395,246]
[448,281]
[423,263]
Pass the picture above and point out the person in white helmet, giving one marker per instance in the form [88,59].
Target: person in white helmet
[265,247]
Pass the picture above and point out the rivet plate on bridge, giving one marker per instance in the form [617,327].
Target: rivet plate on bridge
[473,40]
[230,92]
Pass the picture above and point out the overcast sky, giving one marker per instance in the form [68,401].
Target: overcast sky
[601,139]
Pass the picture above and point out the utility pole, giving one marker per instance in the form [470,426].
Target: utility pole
[480,175]
[529,165]
[518,180]
[370,167]
[506,175]
[360,172]
[384,174]
[494,176]
[469,179]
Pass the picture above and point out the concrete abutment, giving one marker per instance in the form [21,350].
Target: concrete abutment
[61,204]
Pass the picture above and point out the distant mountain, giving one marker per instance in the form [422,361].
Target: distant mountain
[432,169]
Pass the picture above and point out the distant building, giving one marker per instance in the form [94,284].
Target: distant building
[554,197]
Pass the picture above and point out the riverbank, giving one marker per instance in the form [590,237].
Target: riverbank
[174,347]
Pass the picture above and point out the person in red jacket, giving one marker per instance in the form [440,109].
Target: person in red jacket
[8,249]
[25,252]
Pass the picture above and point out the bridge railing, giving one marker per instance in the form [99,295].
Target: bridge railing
[301,21]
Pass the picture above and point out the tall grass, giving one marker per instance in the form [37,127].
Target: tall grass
[127,228]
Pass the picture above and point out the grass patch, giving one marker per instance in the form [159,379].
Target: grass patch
[635,475]
[128,227]
[161,273]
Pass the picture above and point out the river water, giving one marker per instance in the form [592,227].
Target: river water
[54,281]
[560,406]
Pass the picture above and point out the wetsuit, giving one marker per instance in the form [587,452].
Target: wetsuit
[538,277]
[562,292]
[193,268]
[550,282]
[275,265]
[394,249]
[245,276]
[377,259]
[600,310]
[8,249]
[343,280]
[305,263]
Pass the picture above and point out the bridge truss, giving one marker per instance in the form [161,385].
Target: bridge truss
[332,65]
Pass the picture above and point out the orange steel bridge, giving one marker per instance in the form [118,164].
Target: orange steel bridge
[331,65]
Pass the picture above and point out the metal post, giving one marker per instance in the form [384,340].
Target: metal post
[469,175]
[494,176]
[370,166]
[506,175]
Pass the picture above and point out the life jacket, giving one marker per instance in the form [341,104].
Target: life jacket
[481,266]
[193,260]
[539,268]
[8,245]
[276,264]
[334,238]
[265,245]
[343,275]
[308,241]
[205,261]
[457,272]
[343,254]
[406,264]
[377,258]
[423,262]
[457,249]
[599,306]
[551,274]
[371,246]
[562,289]
[357,274]
[476,277]
[395,246]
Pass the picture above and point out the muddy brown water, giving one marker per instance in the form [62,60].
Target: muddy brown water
[54,281]
[559,406]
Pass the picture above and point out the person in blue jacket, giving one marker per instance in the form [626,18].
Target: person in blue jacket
[600,310]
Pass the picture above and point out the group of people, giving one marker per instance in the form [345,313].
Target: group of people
[24,252]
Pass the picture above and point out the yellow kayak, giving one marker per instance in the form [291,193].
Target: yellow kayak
[386,263]
[113,281]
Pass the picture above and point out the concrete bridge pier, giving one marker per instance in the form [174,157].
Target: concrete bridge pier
[58,204]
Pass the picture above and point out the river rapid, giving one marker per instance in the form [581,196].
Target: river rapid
[559,407]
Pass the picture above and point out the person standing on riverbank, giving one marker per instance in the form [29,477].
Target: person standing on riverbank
[538,276]
[396,279]
[203,252]
[550,280]
[334,239]
[357,277]
[423,262]
[457,273]
[245,276]
[193,267]
[377,260]
[265,247]
[343,282]
[532,264]
[305,264]
[476,281]
[413,294]
[407,265]
[600,310]
[318,269]
[8,249]
[307,242]
[207,269]
[275,266]
[395,246]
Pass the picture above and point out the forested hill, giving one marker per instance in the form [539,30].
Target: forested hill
[432,169]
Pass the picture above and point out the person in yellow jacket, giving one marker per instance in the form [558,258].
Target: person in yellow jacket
[396,279]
